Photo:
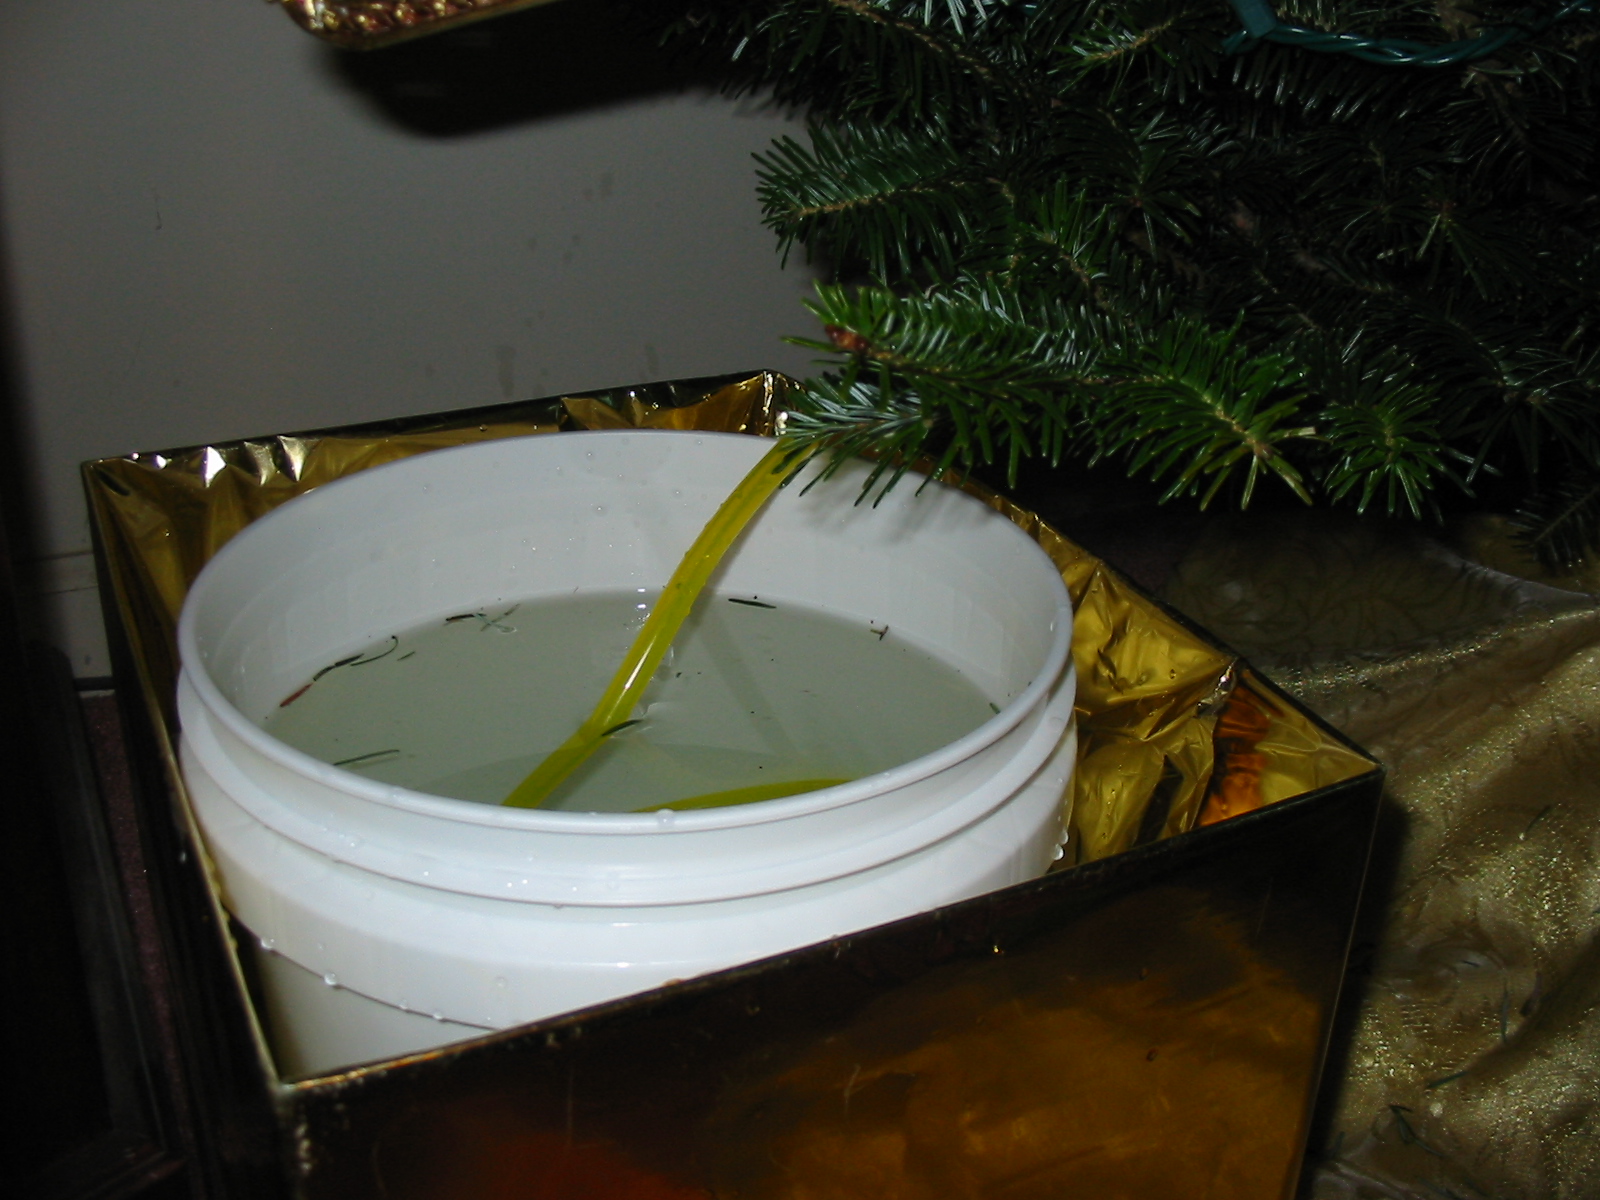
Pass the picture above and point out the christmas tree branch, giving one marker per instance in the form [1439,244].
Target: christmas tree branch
[1090,230]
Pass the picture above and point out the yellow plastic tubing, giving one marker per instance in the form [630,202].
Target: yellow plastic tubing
[653,641]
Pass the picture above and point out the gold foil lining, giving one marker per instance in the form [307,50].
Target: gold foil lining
[368,24]
[1149,688]
[1474,1066]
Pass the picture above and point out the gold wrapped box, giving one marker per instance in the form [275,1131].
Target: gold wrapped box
[1148,1021]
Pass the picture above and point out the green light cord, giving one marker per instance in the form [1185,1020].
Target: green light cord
[1261,24]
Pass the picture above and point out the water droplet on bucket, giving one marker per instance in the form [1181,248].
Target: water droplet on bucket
[665,818]
[268,944]
[329,978]
[437,1016]
[1059,854]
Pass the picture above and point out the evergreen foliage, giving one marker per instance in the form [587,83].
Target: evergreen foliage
[1088,229]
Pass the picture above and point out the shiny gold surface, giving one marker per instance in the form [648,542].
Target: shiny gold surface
[1475,1065]
[369,24]
[1149,1025]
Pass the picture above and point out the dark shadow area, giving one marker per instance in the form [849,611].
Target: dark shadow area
[48,1037]
[91,1114]
[18,514]
[1109,514]
[1389,839]
[539,63]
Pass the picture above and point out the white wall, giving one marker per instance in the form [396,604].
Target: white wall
[209,235]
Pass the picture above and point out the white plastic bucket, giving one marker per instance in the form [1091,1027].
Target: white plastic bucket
[397,920]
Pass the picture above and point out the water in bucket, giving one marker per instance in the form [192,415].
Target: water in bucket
[757,698]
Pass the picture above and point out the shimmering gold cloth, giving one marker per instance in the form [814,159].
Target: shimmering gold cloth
[1474,1068]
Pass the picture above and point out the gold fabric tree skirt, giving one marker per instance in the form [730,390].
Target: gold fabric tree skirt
[1473,1068]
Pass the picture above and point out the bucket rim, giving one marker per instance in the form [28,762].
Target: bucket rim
[1055,665]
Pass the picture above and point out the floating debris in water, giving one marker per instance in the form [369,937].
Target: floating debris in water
[359,660]
[485,621]
[394,644]
[343,662]
[367,760]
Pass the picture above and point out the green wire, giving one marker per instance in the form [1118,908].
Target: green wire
[1261,24]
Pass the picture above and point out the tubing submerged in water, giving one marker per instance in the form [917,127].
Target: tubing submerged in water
[623,693]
